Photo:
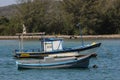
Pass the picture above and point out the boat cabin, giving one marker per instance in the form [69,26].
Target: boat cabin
[51,44]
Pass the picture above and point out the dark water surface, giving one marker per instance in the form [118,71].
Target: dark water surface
[108,62]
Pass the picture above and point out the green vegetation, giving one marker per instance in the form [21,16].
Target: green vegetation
[62,16]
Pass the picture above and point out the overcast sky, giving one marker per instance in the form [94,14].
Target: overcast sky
[7,2]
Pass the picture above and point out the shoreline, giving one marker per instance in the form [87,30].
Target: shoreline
[115,36]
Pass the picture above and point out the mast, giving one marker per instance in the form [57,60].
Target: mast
[24,32]
[22,43]
[19,38]
[80,29]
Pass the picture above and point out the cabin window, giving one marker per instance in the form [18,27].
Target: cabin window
[49,46]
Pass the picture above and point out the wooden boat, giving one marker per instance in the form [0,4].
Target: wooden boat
[80,61]
[51,47]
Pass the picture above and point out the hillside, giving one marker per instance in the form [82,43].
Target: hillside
[8,11]
[66,17]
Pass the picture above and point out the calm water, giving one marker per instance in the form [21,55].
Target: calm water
[108,62]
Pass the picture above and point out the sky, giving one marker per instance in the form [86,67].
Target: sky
[6,2]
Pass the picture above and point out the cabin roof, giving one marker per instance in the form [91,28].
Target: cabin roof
[51,39]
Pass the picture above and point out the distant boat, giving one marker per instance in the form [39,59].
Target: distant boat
[80,61]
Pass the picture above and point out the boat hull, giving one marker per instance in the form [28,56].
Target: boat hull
[77,62]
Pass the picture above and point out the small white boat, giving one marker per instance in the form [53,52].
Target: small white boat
[80,61]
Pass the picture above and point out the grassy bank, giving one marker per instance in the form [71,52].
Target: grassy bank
[65,36]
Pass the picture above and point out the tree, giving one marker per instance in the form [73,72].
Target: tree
[61,17]
[94,15]
[32,13]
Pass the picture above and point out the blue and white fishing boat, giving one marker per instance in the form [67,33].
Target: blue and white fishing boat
[81,61]
[52,47]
